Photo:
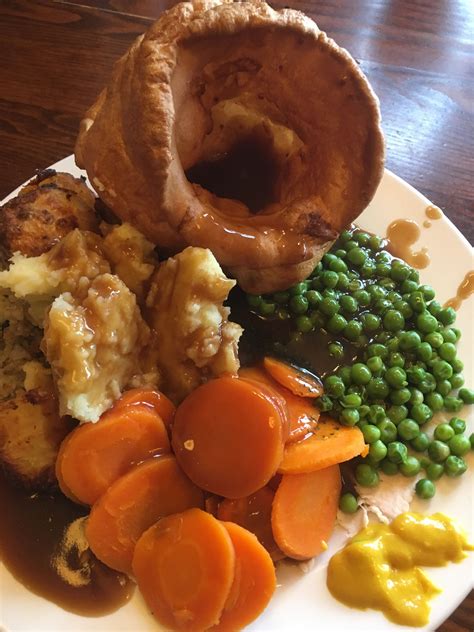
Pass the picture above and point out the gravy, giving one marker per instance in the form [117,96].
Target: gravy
[402,234]
[465,289]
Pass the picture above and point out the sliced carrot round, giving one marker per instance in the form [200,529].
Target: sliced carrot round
[150,491]
[304,512]
[299,381]
[184,566]
[254,513]
[228,437]
[148,397]
[254,581]
[329,443]
[93,456]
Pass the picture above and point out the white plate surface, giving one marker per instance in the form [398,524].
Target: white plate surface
[302,601]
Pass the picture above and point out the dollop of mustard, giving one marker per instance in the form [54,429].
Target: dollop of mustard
[379,567]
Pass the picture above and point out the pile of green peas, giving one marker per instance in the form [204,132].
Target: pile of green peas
[407,367]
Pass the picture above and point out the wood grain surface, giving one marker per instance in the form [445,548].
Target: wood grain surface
[55,57]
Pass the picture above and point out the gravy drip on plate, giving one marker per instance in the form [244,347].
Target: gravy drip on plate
[432,213]
[464,291]
[38,546]
[402,234]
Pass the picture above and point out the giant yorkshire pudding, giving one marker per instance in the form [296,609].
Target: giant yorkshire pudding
[238,128]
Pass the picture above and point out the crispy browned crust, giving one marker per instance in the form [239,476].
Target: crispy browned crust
[45,210]
[155,117]
[31,432]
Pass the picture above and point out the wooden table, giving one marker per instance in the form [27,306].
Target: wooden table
[55,56]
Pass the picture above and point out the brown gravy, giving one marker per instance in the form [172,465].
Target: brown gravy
[465,289]
[31,528]
[402,234]
[433,212]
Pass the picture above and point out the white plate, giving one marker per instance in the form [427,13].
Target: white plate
[302,601]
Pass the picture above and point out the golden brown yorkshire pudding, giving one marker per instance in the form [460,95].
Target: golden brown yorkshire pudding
[241,129]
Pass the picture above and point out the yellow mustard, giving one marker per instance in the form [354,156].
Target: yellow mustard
[379,567]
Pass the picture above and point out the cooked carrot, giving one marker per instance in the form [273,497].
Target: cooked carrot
[302,414]
[330,443]
[296,380]
[184,566]
[254,581]
[148,397]
[304,512]
[254,513]
[93,456]
[228,437]
[154,489]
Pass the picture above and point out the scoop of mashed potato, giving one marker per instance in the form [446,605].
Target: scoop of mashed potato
[192,338]
[93,340]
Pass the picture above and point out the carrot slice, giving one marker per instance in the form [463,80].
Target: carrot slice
[228,437]
[254,513]
[304,512]
[148,397]
[302,415]
[254,581]
[184,566]
[93,456]
[330,443]
[150,491]
[296,380]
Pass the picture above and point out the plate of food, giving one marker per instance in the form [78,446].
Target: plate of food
[235,353]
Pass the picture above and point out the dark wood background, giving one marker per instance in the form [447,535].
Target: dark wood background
[55,56]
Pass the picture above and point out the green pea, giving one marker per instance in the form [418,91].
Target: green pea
[416,396]
[408,429]
[304,324]
[447,316]
[298,288]
[434,339]
[454,466]
[336,323]
[329,279]
[360,373]
[324,403]
[471,440]
[421,413]
[434,471]
[349,304]
[354,284]
[438,451]
[356,256]
[457,380]
[366,475]
[370,322]
[371,433]
[254,300]
[442,370]
[267,309]
[459,444]
[375,364]
[435,401]
[346,235]
[426,323]
[334,386]
[362,238]
[313,297]
[375,242]
[421,442]
[316,283]
[377,451]
[336,350]
[409,340]
[410,467]
[362,297]
[443,432]
[424,352]
[434,308]
[447,351]
[388,431]
[458,365]
[348,503]
[344,372]
[397,413]
[425,489]
[458,425]
[384,257]
[399,271]
[453,404]
[364,411]
[393,320]
[281,297]
[414,275]
[376,413]
[367,270]
[376,349]
[427,292]
[408,286]
[389,468]
[381,306]
[351,401]
[402,396]
[417,302]
[349,417]
[449,335]
[377,388]
[317,319]
[427,384]
[443,387]
[298,304]
[337,265]
[382,270]
[467,395]
[397,452]
[396,359]
[342,281]
[353,330]
[395,376]
[404,308]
